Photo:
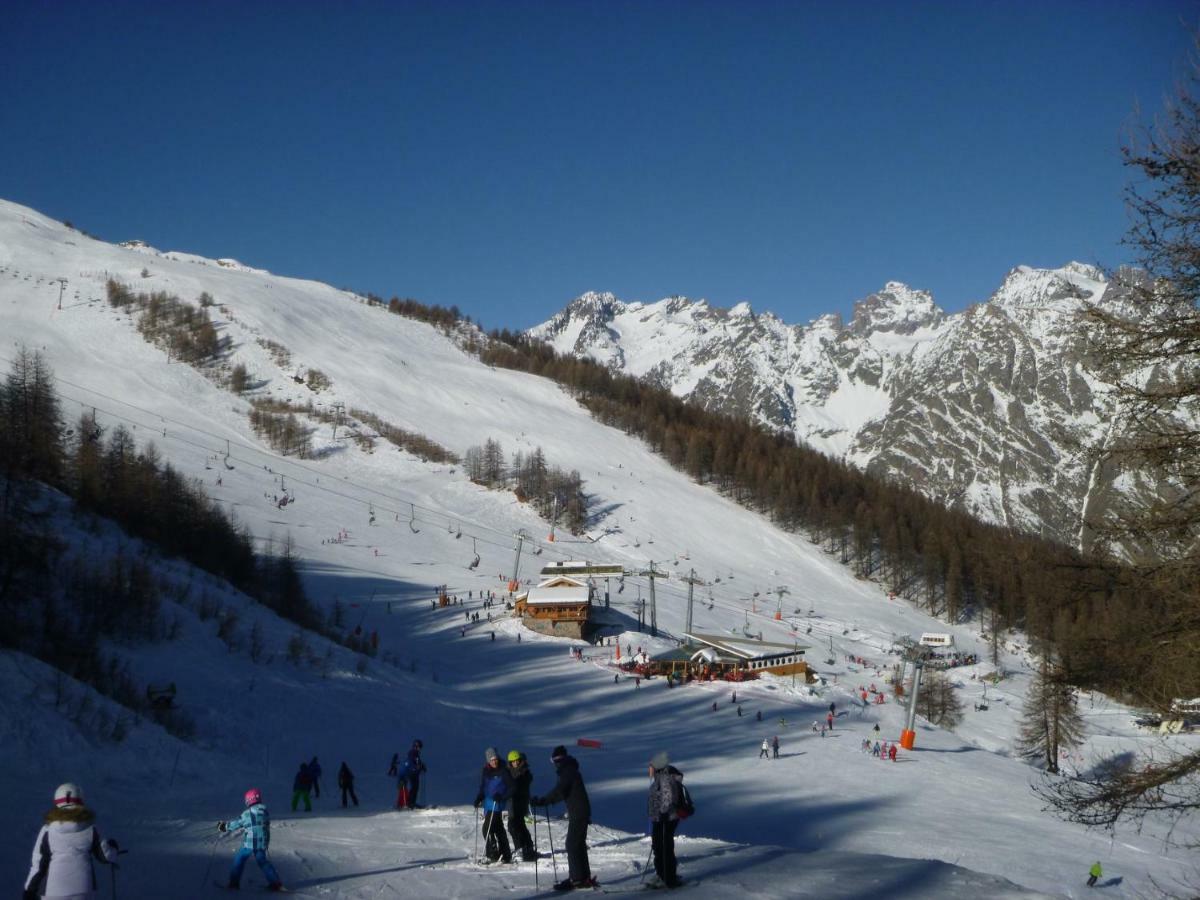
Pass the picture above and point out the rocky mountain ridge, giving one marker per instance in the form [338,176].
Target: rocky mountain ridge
[994,410]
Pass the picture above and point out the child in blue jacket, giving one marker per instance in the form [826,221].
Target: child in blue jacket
[255,823]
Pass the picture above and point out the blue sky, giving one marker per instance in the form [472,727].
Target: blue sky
[507,156]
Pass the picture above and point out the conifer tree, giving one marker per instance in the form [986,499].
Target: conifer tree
[1050,720]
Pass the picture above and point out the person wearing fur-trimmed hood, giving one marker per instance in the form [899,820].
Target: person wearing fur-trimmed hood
[663,803]
[64,851]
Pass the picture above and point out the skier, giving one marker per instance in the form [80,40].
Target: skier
[775,747]
[892,753]
[302,788]
[255,822]
[346,783]
[764,752]
[64,849]
[518,767]
[495,787]
[829,720]
[1094,874]
[666,797]
[569,788]
[314,771]
[415,766]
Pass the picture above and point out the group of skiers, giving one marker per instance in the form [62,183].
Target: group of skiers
[408,776]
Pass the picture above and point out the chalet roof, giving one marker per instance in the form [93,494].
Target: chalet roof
[558,594]
[744,647]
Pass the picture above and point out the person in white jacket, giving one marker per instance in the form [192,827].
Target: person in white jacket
[62,866]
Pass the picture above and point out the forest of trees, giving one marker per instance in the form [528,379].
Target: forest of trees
[186,332]
[57,606]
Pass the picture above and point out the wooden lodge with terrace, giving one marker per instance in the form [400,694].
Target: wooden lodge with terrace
[560,606]
[711,657]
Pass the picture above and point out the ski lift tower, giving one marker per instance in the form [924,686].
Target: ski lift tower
[651,573]
[917,652]
[692,581]
[521,535]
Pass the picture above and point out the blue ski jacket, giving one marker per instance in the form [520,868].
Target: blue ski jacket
[255,822]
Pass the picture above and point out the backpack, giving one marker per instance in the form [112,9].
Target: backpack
[685,807]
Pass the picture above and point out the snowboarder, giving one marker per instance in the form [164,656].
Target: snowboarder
[518,767]
[302,788]
[346,783]
[414,767]
[666,797]
[64,849]
[764,751]
[314,770]
[775,747]
[1094,874]
[496,786]
[255,822]
[569,788]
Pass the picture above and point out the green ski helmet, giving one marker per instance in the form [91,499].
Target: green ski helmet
[515,756]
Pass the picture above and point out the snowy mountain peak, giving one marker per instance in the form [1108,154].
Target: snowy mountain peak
[1028,287]
[897,308]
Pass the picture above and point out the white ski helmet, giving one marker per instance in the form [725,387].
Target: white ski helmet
[68,795]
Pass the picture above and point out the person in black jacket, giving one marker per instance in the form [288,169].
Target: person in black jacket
[346,783]
[518,767]
[495,788]
[570,790]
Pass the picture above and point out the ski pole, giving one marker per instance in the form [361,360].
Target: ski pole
[536,854]
[487,833]
[550,837]
[648,855]
[478,815]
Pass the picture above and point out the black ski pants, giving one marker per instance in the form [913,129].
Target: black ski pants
[495,841]
[577,857]
[662,839]
[521,841]
[349,788]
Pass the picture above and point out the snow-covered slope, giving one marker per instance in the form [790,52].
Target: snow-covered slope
[993,410]
[954,818]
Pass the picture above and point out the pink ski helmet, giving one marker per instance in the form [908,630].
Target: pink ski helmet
[252,796]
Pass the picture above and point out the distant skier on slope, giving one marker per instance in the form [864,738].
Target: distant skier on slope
[314,771]
[64,850]
[346,784]
[414,767]
[302,788]
[255,823]
[765,751]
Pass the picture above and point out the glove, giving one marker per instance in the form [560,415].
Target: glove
[222,827]
[478,802]
[116,848]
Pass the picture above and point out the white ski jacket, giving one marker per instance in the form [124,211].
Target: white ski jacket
[62,867]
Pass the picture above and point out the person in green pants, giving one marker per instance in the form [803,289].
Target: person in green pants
[302,788]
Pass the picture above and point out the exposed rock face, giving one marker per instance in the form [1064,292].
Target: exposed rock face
[992,410]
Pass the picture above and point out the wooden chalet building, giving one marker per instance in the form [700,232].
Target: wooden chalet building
[733,658]
[560,605]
